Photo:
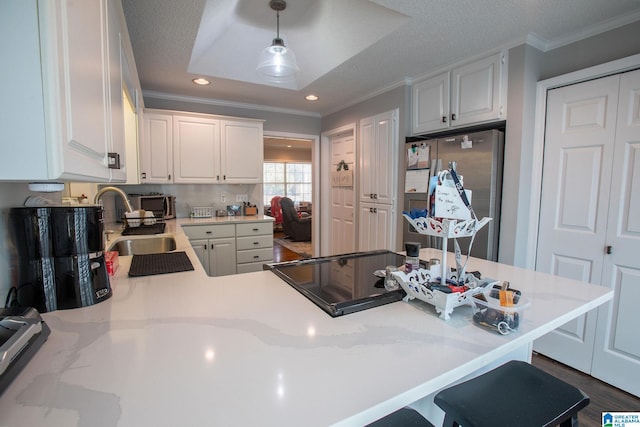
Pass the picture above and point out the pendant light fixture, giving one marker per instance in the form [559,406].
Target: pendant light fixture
[278,62]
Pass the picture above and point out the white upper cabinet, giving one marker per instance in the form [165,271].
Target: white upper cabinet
[468,94]
[196,150]
[156,149]
[117,143]
[61,92]
[192,148]
[242,152]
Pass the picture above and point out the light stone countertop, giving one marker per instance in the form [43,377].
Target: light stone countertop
[185,349]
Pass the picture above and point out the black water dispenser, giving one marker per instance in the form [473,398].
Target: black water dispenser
[60,257]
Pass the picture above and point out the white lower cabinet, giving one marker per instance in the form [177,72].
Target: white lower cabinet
[232,248]
[254,242]
[215,246]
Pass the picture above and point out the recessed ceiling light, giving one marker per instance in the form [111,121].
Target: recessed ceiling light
[201,81]
[311,97]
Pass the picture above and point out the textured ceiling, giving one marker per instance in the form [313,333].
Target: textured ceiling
[347,49]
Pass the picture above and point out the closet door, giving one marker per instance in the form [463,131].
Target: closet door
[578,158]
[616,357]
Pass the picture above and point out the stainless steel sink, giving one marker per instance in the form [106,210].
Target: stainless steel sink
[145,245]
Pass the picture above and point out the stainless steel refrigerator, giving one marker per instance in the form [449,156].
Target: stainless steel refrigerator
[478,158]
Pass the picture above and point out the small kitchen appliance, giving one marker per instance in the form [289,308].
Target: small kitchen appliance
[163,206]
[60,257]
[22,333]
[342,284]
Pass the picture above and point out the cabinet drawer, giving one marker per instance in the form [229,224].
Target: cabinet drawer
[250,267]
[254,255]
[209,231]
[254,228]
[254,242]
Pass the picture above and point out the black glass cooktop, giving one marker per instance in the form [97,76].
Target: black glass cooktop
[342,284]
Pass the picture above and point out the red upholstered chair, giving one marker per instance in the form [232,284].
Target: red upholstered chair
[276,210]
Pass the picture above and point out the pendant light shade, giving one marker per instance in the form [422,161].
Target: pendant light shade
[277,62]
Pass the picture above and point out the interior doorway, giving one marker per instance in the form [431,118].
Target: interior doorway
[290,171]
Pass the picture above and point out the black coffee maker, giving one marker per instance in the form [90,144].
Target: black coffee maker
[61,263]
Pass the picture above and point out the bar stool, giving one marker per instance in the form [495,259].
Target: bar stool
[514,394]
[403,417]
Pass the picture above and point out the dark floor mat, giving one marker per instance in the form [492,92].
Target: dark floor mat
[149,264]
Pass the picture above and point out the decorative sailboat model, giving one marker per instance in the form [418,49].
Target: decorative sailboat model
[453,217]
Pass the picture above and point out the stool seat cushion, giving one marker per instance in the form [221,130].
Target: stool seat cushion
[514,394]
[403,417]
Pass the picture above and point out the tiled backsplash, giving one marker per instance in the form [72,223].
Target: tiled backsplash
[189,195]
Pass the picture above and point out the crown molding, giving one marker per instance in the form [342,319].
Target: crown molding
[223,103]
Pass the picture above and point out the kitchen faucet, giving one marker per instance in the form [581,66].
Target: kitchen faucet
[122,194]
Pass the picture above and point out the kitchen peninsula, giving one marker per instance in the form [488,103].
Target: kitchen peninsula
[249,350]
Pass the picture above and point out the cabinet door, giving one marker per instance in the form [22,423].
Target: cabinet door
[367,159]
[201,248]
[241,151]
[377,159]
[384,173]
[431,104]
[222,257]
[156,146]
[83,73]
[476,91]
[117,142]
[196,150]
[368,222]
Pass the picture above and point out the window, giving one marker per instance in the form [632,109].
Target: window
[292,180]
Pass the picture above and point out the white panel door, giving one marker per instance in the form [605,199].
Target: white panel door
[83,62]
[156,149]
[196,150]
[367,159]
[241,152]
[343,235]
[222,257]
[476,91]
[384,173]
[431,104]
[368,223]
[616,358]
[576,181]
[376,227]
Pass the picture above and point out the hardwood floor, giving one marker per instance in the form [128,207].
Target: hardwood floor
[280,253]
[604,398]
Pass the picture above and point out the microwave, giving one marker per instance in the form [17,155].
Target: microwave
[162,205]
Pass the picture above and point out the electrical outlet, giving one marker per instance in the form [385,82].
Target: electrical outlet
[223,198]
[242,198]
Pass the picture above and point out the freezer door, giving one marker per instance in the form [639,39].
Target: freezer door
[478,158]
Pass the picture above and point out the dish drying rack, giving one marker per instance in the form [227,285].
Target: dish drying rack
[141,224]
[202,211]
